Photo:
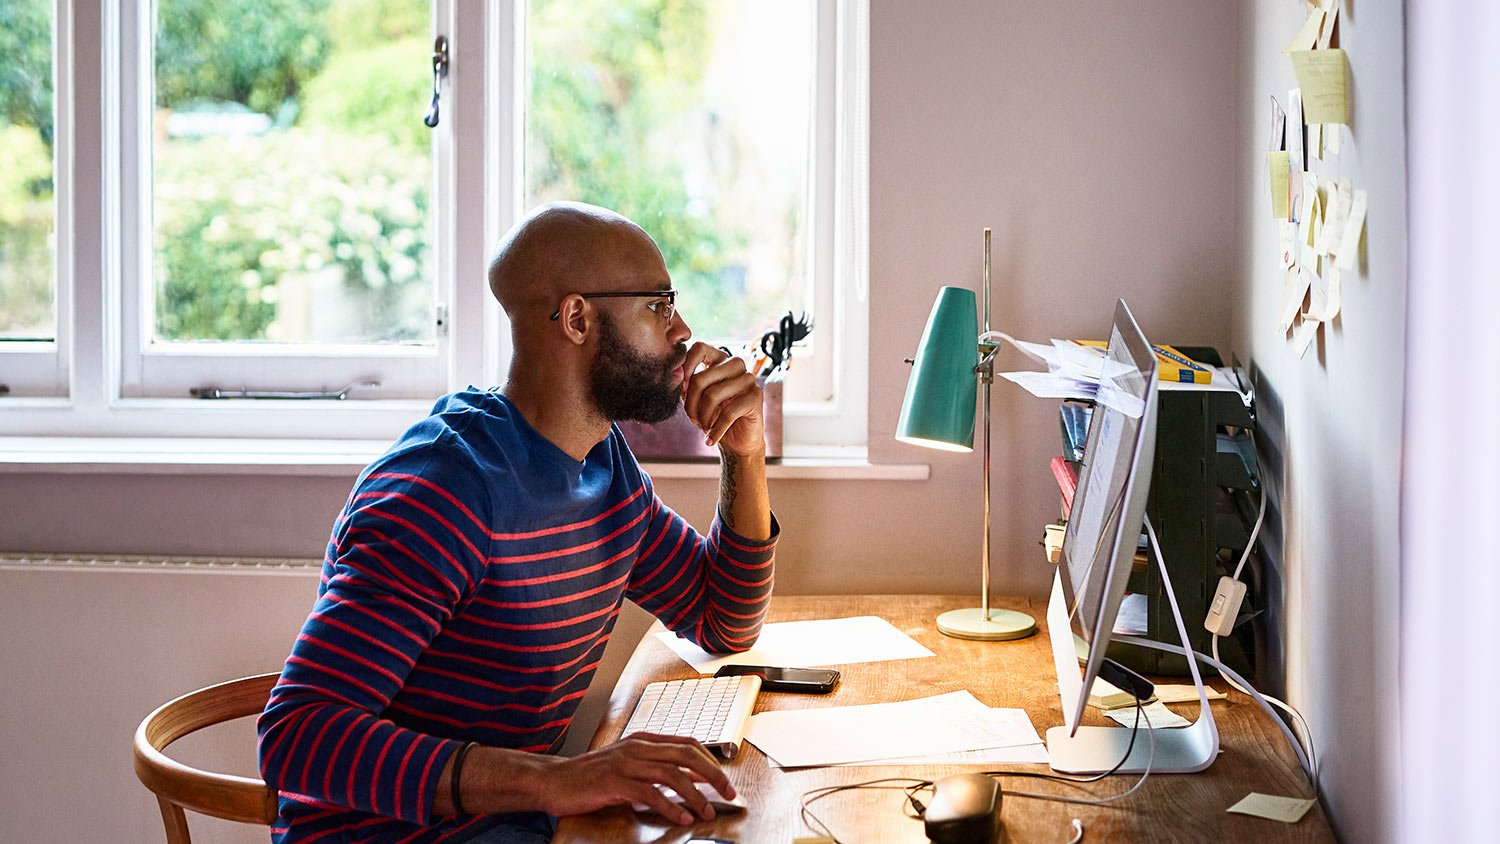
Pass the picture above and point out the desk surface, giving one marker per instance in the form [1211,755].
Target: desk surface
[1169,807]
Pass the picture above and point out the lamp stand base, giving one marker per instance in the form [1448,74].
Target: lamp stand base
[998,627]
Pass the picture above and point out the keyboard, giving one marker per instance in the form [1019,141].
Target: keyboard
[713,710]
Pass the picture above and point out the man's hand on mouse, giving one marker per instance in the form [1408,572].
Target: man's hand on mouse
[723,398]
[628,771]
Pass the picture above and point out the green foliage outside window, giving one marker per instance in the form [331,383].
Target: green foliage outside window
[340,183]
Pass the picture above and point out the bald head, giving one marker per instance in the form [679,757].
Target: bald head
[562,248]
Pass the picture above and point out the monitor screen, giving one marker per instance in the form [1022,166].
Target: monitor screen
[1109,506]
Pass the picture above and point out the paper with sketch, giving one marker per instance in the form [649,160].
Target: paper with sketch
[1323,77]
[803,644]
[1017,743]
[833,735]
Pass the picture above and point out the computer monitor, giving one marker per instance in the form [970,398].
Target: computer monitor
[1099,548]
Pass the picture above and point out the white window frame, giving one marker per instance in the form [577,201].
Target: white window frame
[100,390]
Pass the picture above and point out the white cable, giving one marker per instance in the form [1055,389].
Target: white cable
[1304,732]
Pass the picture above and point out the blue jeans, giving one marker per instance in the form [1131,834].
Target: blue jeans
[534,831]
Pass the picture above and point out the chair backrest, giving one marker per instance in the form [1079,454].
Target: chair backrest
[178,786]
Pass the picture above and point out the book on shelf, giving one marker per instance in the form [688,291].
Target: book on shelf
[1171,365]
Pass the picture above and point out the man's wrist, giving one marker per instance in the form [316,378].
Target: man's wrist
[496,779]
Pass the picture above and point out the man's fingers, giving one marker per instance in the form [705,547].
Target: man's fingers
[729,384]
[731,412]
[676,762]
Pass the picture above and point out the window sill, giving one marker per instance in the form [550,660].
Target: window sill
[344,458]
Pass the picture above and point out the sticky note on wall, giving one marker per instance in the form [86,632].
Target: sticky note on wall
[1279,164]
[1323,76]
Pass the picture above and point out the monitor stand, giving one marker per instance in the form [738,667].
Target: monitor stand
[1179,750]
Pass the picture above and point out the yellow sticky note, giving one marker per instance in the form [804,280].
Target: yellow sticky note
[1167,693]
[1307,37]
[1279,164]
[1323,77]
[1284,809]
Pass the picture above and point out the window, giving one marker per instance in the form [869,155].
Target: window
[278,219]
[29,187]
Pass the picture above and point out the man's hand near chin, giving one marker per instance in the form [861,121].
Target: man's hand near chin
[726,401]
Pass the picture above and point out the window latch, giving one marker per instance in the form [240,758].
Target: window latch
[246,393]
[439,73]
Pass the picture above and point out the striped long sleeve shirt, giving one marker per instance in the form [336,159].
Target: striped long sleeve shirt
[470,585]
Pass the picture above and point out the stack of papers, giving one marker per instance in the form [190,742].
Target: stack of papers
[1073,372]
[953,728]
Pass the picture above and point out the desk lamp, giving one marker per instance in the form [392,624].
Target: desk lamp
[938,412]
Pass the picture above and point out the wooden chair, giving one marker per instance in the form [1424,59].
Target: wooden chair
[177,786]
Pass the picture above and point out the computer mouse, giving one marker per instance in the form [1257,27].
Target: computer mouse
[965,809]
[720,803]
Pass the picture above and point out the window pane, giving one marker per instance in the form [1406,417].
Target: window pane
[291,171]
[693,119]
[27,213]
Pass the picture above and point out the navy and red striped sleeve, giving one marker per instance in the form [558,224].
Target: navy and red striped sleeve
[405,552]
[713,589]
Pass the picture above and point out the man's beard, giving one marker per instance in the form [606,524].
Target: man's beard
[627,384]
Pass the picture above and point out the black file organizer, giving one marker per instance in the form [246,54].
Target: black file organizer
[1203,500]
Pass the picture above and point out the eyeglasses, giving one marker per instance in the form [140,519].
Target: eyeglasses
[665,306]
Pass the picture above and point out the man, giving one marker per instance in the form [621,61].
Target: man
[474,575]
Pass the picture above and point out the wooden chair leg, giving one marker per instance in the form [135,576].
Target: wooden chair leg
[175,821]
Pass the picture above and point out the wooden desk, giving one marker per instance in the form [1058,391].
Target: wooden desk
[1169,807]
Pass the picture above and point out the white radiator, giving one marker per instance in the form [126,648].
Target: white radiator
[89,644]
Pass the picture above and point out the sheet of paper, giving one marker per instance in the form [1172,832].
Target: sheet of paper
[1293,289]
[1284,809]
[1315,140]
[1331,133]
[1178,693]
[1330,22]
[1294,124]
[1323,77]
[832,735]
[1278,126]
[1335,302]
[1017,741]
[803,644]
[1317,296]
[1315,222]
[1131,617]
[1340,203]
[1278,164]
[1161,717]
[1311,213]
[1302,338]
[1287,232]
[1353,227]
[1047,385]
[1307,37]
[1024,754]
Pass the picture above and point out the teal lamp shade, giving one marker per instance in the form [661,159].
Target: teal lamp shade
[938,411]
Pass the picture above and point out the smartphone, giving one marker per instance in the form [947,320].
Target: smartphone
[814,681]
